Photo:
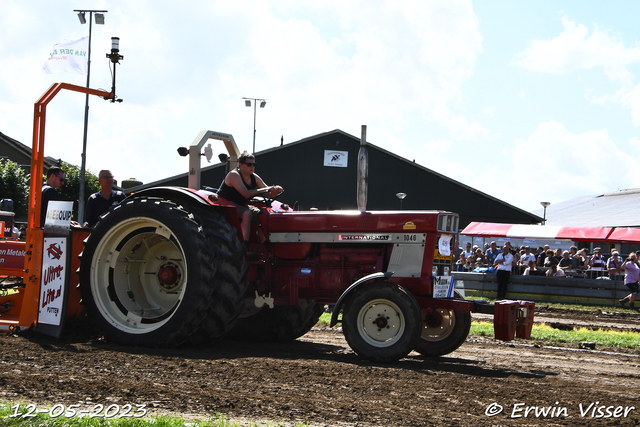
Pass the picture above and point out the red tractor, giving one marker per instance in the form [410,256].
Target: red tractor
[169,266]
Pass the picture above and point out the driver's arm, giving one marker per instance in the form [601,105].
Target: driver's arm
[273,190]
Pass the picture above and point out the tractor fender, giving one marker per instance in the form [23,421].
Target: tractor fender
[190,198]
[176,194]
[350,289]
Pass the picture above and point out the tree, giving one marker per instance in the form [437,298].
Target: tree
[71,188]
[14,185]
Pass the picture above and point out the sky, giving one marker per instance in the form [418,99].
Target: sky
[525,101]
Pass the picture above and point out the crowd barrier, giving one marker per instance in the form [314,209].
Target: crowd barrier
[566,290]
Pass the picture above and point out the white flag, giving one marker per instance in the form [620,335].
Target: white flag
[68,56]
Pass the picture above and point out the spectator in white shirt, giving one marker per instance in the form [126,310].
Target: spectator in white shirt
[527,257]
[504,262]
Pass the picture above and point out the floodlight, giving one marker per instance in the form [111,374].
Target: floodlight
[223,158]
[262,104]
[100,18]
[247,103]
[115,44]
[81,17]
[208,152]
[183,151]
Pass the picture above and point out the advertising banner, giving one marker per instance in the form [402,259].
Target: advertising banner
[52,287]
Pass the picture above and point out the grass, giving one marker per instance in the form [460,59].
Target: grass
[543,332]
[22,415]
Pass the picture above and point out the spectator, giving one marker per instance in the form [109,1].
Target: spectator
[614,264]
[468,266]
[468,251]
[543,255]
[527,257]
[631,277]
[55,180]
[458,251]
[478,262]
[575,259]
[585,258]
[597,264]
[460,263]
[479,257]
[492,253]
[99,203]
[504,262]
[554,271]
[531,270]
[565,262]
[550,259]
[558,254]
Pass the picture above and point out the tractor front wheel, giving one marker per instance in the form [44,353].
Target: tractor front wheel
[381,322]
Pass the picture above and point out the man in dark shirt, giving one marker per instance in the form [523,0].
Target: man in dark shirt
[493,253]
[565,262]
[55,179]
[100,202]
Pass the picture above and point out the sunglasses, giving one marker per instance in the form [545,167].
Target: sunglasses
[61,179]
[251,165]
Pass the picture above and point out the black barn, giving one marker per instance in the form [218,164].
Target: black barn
[306,172]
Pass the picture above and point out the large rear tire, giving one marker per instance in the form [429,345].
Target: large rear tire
[230,278]
[443,331]
[277,324]
[148,273]
[381,322]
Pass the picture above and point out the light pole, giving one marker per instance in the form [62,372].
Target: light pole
[401,196]
[247,102]
[99,21]
[544,216]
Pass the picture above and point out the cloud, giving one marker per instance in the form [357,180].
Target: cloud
[550,164]
[320,65]
[631,99]
[459,126]
[576,49]
[554,164]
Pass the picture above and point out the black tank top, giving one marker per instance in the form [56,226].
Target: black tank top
[230,193]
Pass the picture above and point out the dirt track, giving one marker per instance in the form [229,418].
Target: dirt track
[319,380]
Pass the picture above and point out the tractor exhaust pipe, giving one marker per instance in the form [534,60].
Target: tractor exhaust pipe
[363,171]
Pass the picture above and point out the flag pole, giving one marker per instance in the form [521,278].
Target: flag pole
[83,163]
[83,198]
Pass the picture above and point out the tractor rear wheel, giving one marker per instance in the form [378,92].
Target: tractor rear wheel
[443,331]
[148,273]
[381,322]
[230,278]
[280,323]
